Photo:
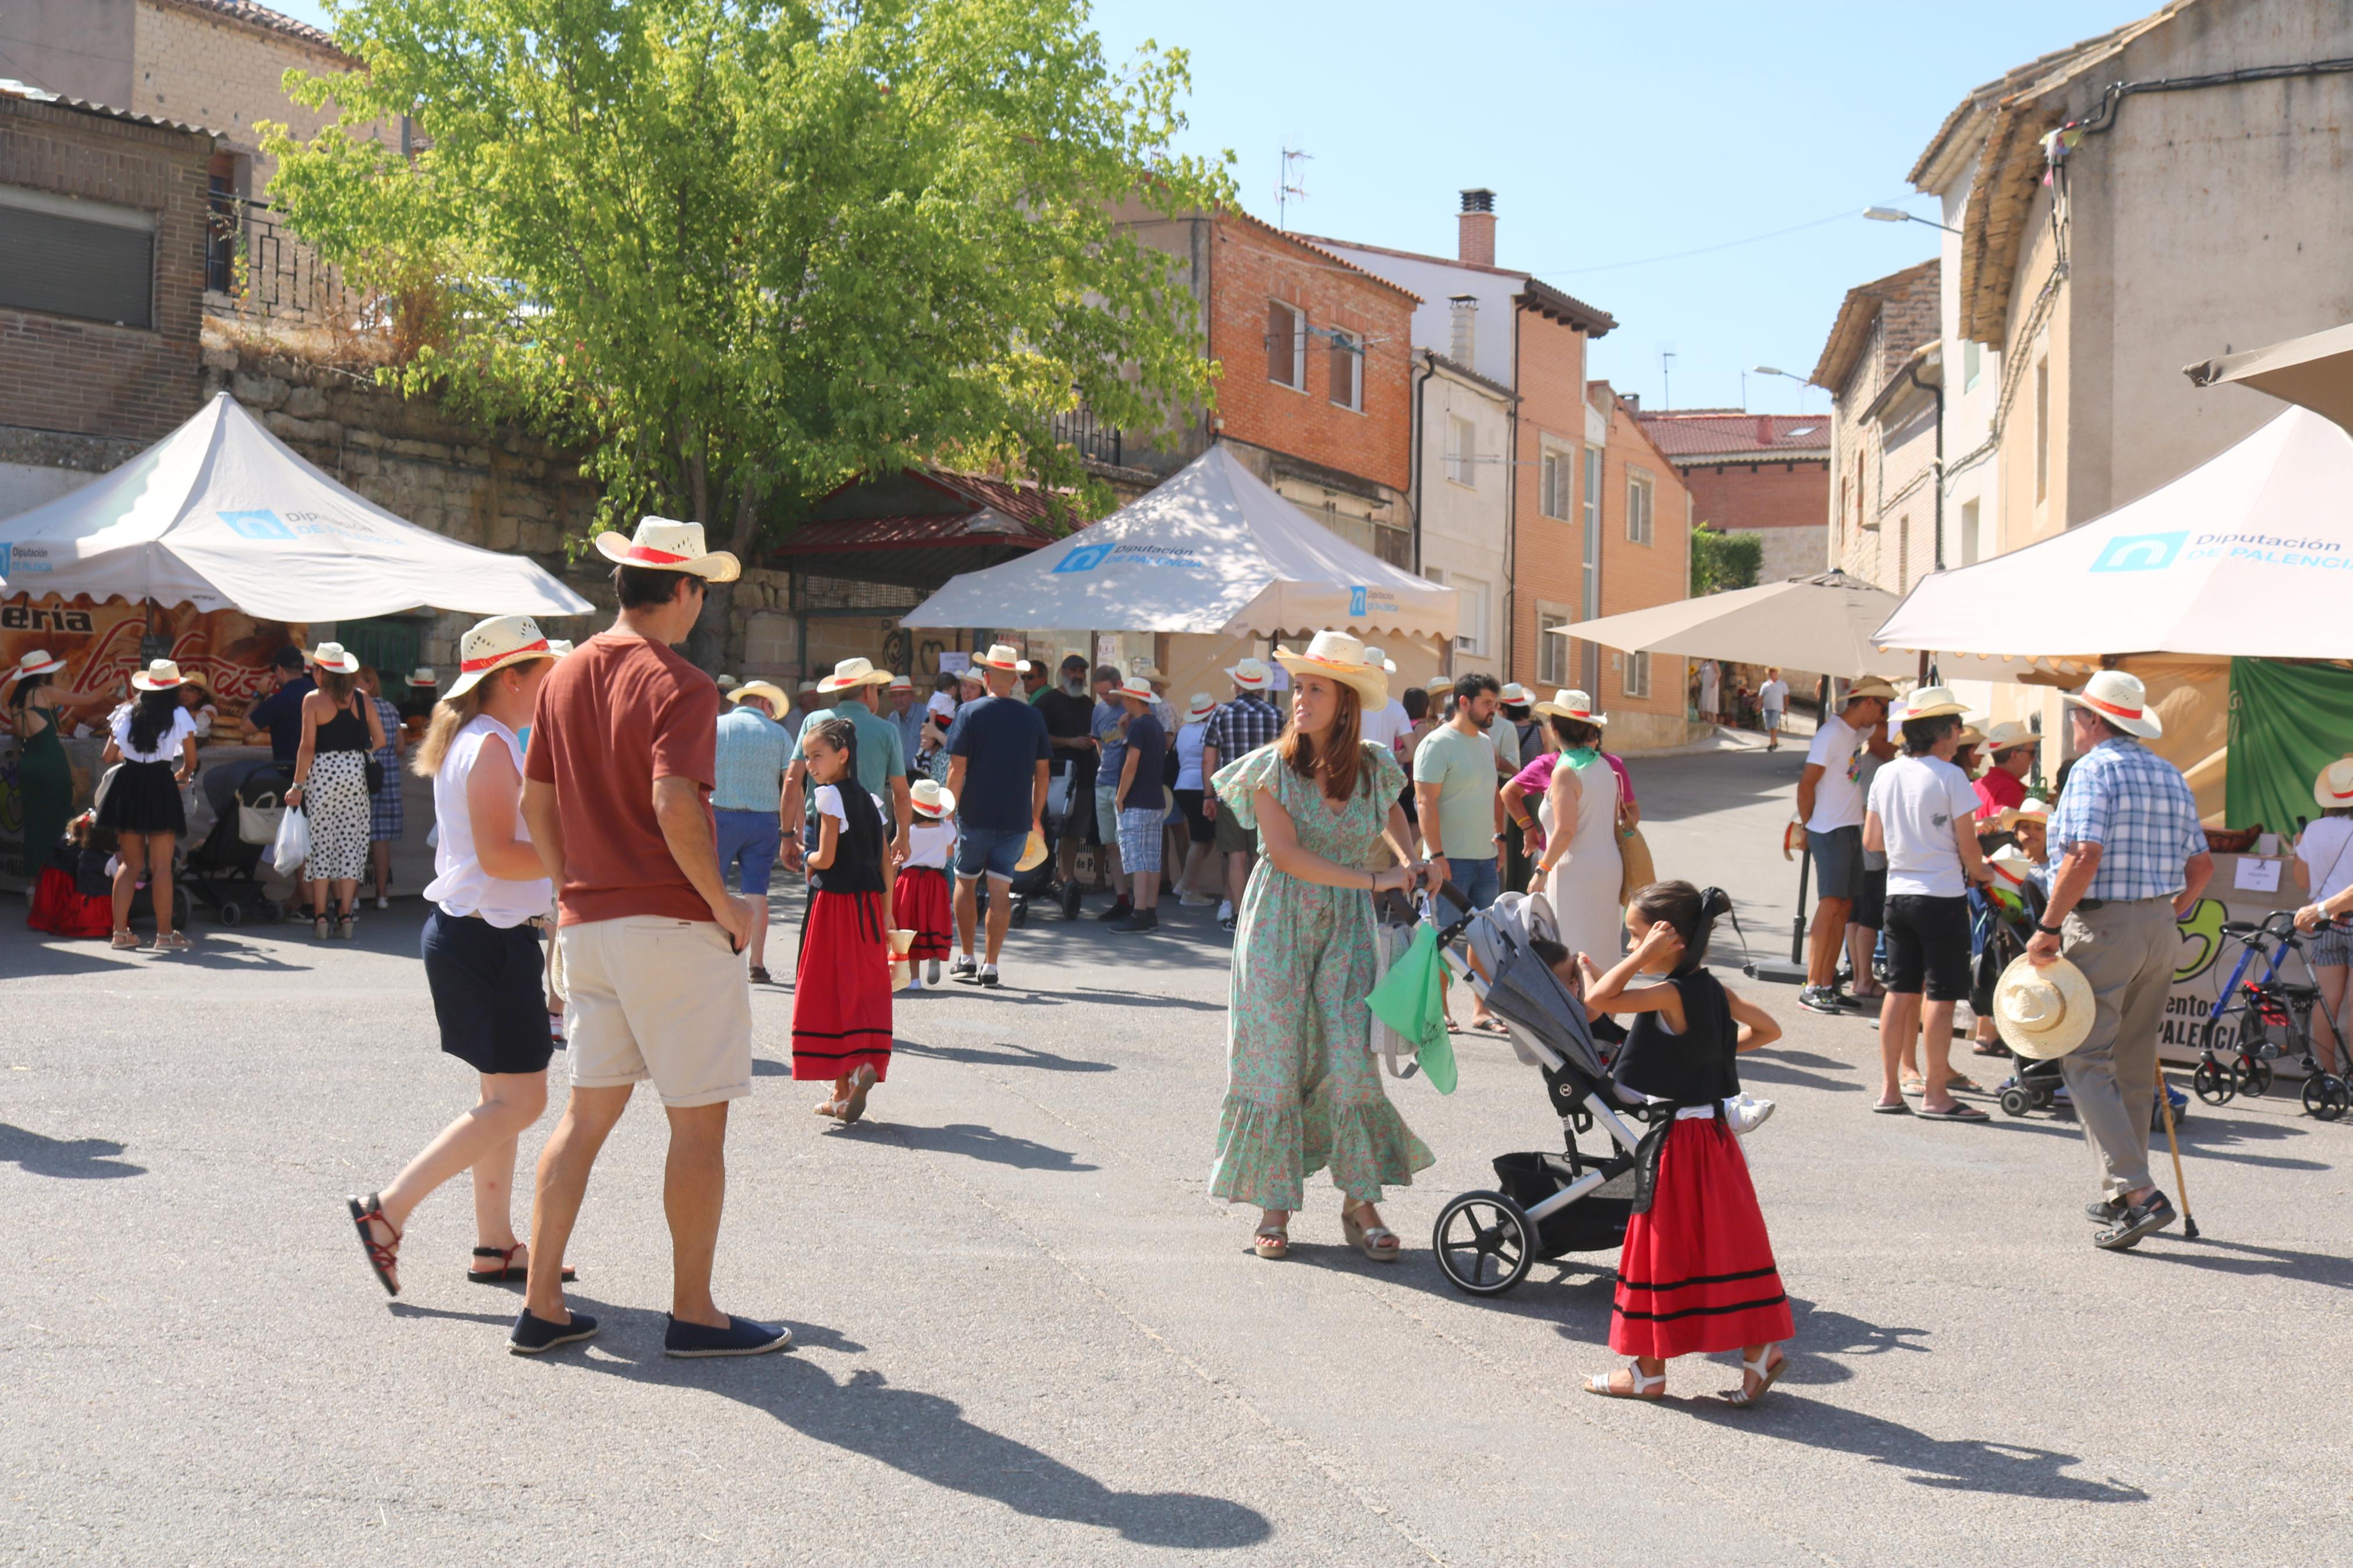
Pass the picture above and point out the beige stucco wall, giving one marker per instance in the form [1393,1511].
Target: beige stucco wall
[1465,527]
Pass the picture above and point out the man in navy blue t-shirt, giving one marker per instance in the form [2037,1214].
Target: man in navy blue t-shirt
[998,754]
[281,712]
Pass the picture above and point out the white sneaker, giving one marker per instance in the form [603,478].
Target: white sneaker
[1225,908]
[1195,901]
[932,972]
[382,903]
[1746,1113]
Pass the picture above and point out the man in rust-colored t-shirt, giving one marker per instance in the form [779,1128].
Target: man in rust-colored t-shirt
[617,792]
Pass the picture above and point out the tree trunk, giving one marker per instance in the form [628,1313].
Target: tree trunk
[707,644]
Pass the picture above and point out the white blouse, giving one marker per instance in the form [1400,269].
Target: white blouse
[461,885]
[167,743]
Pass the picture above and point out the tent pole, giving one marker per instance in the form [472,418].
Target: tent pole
[1798,926]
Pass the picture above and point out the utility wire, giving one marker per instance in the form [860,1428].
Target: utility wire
[1838,217]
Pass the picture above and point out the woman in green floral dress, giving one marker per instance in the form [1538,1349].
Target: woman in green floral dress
[1304,1089]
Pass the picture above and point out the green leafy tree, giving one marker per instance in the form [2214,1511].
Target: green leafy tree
[745,251]
[1723,560]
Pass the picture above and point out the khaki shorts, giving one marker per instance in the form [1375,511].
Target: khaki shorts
[650,996]
[1232,837]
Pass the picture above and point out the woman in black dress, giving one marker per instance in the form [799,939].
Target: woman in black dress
[155,739]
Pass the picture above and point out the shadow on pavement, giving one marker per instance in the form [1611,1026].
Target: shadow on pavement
[70,1159]
[1126,998]
[970,1139]
[2309,1267]
[1947,1464]
[922,1435]
[1008,1055]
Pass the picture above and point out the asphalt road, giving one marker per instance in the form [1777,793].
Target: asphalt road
[1026,1335]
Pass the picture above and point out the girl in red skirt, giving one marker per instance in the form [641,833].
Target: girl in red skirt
[922,899]
[1696,1273]
[841,986]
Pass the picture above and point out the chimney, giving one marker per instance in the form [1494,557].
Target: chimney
[1476,240]
[1463,345]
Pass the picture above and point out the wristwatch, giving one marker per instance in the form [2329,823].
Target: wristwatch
[2048,930]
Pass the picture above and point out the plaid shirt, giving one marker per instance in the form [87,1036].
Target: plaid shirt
[1241,727]
[2138,809]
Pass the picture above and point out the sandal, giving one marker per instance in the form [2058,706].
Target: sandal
[1958,1113]
[1639,1384]
[1375,1241]
[172,941]
[861,1083]
[319,928]
[1272,1242]
[1490,1026]
[829,1108]
[760,976]
[1961,1083]
[344,929]
[508,1272]
[383,1256]
[126,941]
[1767,1374]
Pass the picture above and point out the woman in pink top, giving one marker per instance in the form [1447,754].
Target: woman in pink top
[1536,778]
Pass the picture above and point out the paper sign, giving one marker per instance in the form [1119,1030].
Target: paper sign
[2256,875]
[955,663]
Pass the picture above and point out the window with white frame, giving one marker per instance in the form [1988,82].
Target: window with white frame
[1557,485]
[1552,652]
[1471,600]
[1641,497]
[1637,674]
[1286,345]
[1348,370]
[1461,452]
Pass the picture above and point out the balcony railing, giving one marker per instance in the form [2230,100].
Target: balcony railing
[256,264]
[1092,438]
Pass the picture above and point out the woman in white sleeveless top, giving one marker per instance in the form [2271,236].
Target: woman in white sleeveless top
[490,895]
[1580,868]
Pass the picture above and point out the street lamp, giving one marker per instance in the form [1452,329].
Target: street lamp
[1785,375]
[1897,214]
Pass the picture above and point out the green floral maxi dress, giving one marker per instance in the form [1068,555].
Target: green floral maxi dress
[1302,1086]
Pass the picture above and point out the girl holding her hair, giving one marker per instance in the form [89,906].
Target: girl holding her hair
[339,728]
[842,984]
[1696,1273]
[154,739]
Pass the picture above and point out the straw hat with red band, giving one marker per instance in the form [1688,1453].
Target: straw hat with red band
[40,661]
[2334,788]
[1003,656]
[852,672]
[932,799]
[1201,706]
[1136,688]
[2011,865]
[1251,674]
[663,545]
[493,644]
[163,674]
[1572,705]
[1337,655]
[2121,700]
[334,655]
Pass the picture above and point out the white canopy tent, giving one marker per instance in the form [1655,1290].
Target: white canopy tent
[220,512]
[1213,550]
[2248,555]
[1821,624]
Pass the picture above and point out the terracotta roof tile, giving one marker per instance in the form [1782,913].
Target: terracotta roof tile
[262,16]
[1724,434]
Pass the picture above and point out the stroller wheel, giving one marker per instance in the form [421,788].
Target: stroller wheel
[2016,1102]
[1018,915]
[2324,1096]
[1071,896]
[230,913]
[2213,1084]
[270,910]
[2157,1112]
[1483,1243]
[2254,1077]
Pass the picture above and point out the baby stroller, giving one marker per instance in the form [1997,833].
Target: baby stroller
[223,870]
[1550,1205]
[2005,929]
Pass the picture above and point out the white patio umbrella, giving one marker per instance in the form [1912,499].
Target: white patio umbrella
[220,512]
[2248,555]
[2314,370]
[1214,549]
[1821,624]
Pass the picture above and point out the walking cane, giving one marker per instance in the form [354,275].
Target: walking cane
[2164,1102]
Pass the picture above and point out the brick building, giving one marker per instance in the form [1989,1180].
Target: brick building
[102,237]
[1643,528]
[1767,474]
[1883,365]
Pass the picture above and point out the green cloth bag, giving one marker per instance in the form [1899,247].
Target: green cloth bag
[1411,999]
[2287,723]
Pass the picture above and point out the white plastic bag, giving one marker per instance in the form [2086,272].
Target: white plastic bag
[293,843]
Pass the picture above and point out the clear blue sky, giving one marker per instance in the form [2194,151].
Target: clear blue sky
[1610,133]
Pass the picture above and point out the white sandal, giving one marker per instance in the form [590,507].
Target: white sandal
[1740,1398]
[1377,1242]
[1604,1385]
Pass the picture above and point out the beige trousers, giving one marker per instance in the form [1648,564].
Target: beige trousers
[2126,949]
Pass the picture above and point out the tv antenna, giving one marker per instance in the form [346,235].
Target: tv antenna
[1289,184]
[1666,376]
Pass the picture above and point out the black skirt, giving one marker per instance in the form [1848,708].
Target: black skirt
[143,799]
[486,985]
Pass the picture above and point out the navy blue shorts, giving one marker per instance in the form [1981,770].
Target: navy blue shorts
[754,837]
[995,850]
[488,993]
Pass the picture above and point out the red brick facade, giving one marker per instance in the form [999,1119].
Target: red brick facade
[1637,573]
[91,378]
[1751,498]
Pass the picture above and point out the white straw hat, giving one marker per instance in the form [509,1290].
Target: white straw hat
[2009,733]
[2334,788]
[1933,702]
[493,644]
[559,647]
[900,683]
[163,675]
[2011,865]
[728,683]
[662,545]
[2121,700]
[335,656]
[1375,656]
[1338,656]
[423,676]
[932,798]
[2042,1013]
[852,672]
[40,661]
[1200,707]
[2033,808]
[763,691]
[1136,686]
[1249,674]
[1002,655]
[1573,705]
[1514,695]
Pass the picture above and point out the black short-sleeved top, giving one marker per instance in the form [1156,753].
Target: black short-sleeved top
[1695,1066]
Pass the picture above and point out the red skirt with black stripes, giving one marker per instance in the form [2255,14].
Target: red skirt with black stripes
[841,989]
[1698,1272]
[920,903]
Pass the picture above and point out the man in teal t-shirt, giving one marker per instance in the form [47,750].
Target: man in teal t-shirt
[1454,785]
[855,686]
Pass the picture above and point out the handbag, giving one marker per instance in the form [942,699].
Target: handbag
[375,776]
[256,823]
[105,787]
[1636,869]
[292,845]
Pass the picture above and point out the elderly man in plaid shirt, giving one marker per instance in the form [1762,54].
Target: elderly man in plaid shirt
[2132,861]
[1236,730]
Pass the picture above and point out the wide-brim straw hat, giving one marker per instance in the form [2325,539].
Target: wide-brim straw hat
[493,645]
[1337,655]
[763,691]
[929,797]
[1033,853]
[334,655]
[900,683]
[1574,705]
[1002,655]
[1249,674]
[40,661]
[1932,702]
[2042,1013]
[2008,735]
[423,676]
[2012,866]
[1200,707]
[2033,808]
[1514,695]
[1136,686]
[1870,686]
[852,672]
[660,544]
[1149,670]
[727,682]
[163,674]
[1376,656]
[559,647]
[2121,700]
[2334,788]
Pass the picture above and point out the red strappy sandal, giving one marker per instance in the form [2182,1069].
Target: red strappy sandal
[506,1273]
[381,1257]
